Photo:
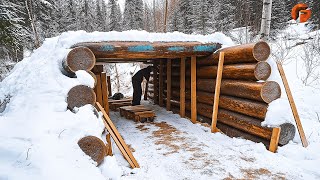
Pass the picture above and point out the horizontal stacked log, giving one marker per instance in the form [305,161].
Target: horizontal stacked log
[243,101]
[148,50]
[79,58]
[79,96]
[259,91]
[242,122]
[248,71]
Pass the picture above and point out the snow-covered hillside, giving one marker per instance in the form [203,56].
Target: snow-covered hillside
[39,135]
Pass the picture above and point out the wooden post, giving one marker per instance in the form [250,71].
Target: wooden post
[161,84]
[104,92]
[155,84]
[109,145]
[293,106]
[168,84]
[217,94]
[274,139]
[145,97]
[109,86]
[182,87]
[98,89]
[193,89]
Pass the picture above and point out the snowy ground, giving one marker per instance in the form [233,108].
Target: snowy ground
[173,148]
[38,135]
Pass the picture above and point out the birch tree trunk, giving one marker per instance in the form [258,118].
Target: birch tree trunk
[31,18]
[266,20]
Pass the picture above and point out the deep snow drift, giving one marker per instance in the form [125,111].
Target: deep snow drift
[39,135]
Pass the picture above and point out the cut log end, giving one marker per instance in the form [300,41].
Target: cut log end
[80,95]
[262,71]
[80,58]
[287,133]
[270,91]
[93,147]
[261,51]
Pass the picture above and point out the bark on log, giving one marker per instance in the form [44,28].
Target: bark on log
[243,123]
[259,91]
[228,130]
[245,53]
[80,95]
[244,106]
[149,50]
[80,58]
[249,71]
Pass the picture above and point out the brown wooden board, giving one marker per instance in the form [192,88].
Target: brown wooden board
[217,93]
[193,89]
[168,106]
[118,138]
[182,87]
[98,89]
[293,106]
[104,92]
[274,139]
[161,84]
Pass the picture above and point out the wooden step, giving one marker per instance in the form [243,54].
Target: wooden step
[144,116]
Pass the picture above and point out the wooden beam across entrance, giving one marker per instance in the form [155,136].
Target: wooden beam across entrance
[148,50]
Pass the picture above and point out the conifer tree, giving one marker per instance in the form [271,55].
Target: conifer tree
[133,15]
[115,16]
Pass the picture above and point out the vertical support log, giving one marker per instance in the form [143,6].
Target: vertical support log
[104,92]
[109,145]
[182,87]
[155,84]
[145,97]
[217,93]
[109,86]
[161,84]
[293,106]
[193,89]
[98,89]
[169,84]
[274,139]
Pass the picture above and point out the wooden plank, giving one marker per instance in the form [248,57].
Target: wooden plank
[274,139]
[109,86]
[182,87]
[155,84]
[146,91]
[99,90]
[217,94]
[293,106]
[161,84]
[118,138]
[104,92]
[120,100]
[193,89]
[169,84]
[109,145]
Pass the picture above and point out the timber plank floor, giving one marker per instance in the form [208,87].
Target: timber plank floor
[116,104]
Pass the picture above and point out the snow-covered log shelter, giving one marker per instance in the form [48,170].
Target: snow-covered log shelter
[185,82]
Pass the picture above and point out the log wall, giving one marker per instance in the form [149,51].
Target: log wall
[245,93]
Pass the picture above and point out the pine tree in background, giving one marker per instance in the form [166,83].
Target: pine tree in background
[42,11]
[226,16]
[173,21]
[185,16]
[279,17]
[100,17]
[115,16]
[133,15]
[315,16]
[148,19]
[203,17]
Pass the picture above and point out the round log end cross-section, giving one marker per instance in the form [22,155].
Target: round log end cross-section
[287,133]
[93,147]
[261,51]
[270,91]
[79,58]
[80,95]
[262,71]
